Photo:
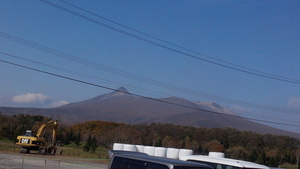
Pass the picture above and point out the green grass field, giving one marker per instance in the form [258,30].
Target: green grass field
[73,150]
[68,150]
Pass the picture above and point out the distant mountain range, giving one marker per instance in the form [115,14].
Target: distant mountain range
[121,106]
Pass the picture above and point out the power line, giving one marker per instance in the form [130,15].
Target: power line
[172,44]
[77,73]
[139,78]
[144,97]
[105,80]
[101,79]
[220,63]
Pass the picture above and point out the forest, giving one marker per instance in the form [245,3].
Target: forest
[270,150]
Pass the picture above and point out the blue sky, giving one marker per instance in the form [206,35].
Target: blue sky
[260,35]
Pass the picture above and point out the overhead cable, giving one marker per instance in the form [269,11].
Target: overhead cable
[144,97]
[172,44]
[220,63]
[139,78]
[112,82]
[78,74]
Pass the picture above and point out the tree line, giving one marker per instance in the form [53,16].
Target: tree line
[270,150]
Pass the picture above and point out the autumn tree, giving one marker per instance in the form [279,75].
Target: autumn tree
[169,141]
[268,149]
[237,152]
[77,139]
[191,144]
[120,134]
[214,146]
[253,155]
[12,126]
[87,146]
[90,145]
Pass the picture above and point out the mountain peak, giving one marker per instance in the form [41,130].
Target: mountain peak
[117,92]
[216,105]
[122,90]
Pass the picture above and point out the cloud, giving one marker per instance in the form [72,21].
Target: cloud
[30,98]
[59,103]
[294,102]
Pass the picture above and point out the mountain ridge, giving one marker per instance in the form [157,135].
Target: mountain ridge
[121,106]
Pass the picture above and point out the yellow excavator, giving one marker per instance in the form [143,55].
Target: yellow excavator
[38,143]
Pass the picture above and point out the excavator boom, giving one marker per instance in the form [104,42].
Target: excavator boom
[43,127]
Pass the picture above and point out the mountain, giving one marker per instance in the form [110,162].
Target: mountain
[121,106]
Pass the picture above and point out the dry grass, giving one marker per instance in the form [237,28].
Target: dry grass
[289,166]
[72,150]
[68,150]
[8,145]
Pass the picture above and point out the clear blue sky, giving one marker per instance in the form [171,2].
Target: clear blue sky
[261,35]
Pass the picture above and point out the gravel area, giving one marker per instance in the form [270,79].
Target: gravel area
[32,161]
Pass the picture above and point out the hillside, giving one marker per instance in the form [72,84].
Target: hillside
[120,106]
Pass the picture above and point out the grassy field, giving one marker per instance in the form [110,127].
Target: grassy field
[289,166]
[72,150]
[8,145]
[68,150]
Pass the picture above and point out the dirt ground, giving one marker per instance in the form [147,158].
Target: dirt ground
[34,161]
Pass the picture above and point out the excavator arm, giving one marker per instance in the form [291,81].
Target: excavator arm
[43,127]
[54,134]
[40,133]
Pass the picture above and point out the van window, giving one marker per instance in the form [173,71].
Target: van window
[117,162]
[128,165]
[218,166]
[125,163]
[133,164]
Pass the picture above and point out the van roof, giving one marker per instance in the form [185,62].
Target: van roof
[113,152]
[162,160]
[225,161]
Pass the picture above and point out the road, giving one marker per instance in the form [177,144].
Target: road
[33,161]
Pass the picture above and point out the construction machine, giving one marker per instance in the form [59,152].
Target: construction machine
[37,142]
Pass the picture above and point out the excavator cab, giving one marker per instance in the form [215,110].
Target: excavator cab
[28,133]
